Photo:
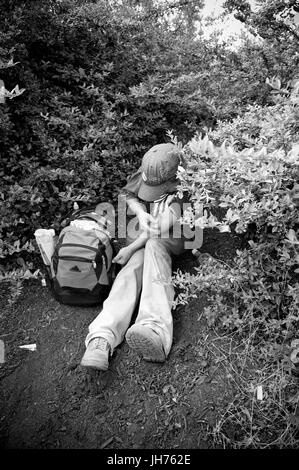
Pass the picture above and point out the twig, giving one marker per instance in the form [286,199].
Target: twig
[106,443]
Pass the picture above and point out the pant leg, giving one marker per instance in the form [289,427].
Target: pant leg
[114,319]
[156,297]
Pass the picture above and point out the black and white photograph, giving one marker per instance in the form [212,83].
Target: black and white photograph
[149,228]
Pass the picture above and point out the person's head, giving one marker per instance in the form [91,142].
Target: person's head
[159,169]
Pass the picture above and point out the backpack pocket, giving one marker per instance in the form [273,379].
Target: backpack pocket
[76,272]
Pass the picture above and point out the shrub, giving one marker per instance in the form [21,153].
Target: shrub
[256,295]
[257,185]
[81,121]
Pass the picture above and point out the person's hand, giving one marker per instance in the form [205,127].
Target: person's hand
[146,221]
[154,230]
[150,226]
[163,205]
[123,256]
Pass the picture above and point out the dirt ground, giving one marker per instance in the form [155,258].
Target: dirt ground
[47,400]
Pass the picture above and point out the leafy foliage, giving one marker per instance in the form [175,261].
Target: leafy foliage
[81,119]
[258,186]
[256,296]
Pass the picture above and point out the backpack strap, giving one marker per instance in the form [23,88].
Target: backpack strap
[74,214]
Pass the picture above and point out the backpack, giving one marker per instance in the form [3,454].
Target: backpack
[81,271]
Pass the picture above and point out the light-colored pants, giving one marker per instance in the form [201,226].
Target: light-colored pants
[142,274]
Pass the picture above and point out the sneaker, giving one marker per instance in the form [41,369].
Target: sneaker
[97,354]
[146,342]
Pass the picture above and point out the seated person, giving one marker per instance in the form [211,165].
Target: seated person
[151,196]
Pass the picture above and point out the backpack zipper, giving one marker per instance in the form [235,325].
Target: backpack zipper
[80,245]
[76,258]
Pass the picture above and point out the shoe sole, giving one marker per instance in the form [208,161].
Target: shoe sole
[145,347]
[95,365]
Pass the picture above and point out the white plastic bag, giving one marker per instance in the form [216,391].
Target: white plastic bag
[46,243]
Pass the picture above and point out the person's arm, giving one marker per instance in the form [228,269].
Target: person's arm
[145,220]
[163,223]
[166,220]
[159,227]
[126,252]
